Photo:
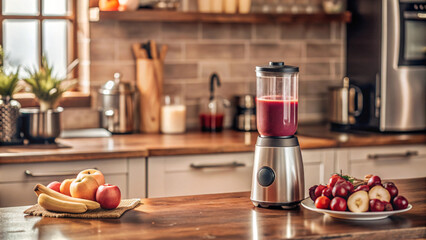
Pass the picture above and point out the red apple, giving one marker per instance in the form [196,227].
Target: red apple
[376,205]
[84,187]
[373,181]
[332,181]
[392,189]
[340,190]
[55,186]
[400,202]
[312,192]
[362,188]
[338,204]
[95,173]
[388,206]
[108,196]
[322,202]
[318,190]
[328,192]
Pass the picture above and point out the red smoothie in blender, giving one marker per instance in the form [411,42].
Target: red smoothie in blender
[276,116]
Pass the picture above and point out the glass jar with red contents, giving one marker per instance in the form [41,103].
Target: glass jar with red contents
[277,99]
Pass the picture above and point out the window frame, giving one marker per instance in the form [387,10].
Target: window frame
[74,98]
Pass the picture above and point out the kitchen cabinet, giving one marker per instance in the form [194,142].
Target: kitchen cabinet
[388,162]
[18,180]
[219,173]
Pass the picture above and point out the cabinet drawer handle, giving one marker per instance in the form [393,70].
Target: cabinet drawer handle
[223,165]
[393,155]
[29,173]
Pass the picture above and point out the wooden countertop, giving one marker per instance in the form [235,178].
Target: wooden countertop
[143,145]
[221,216]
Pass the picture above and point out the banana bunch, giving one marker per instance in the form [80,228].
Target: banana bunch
[58,202]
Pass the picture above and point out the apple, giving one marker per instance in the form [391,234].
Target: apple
[95,173]
[340,190]
[392,189]
[109,5]
[338,204]
[362,188]
[84,187]
[333,180]
[328,192]
[376,205]
[348,185]
[318,190]
[373,181]
[388,206]
[312,192]
[379,192]
[358,202]
[54,186]
[400,202]
[65,186]
[108,196]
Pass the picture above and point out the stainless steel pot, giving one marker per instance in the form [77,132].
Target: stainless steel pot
[10,122]
[116,106]
[345,103]
[41,127]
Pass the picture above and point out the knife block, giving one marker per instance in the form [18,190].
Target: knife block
[149,75]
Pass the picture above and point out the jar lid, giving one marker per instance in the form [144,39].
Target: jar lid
[116,86]
[279,67]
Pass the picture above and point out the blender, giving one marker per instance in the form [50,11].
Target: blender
[278,179]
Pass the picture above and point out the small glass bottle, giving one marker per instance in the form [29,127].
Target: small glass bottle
[173,115]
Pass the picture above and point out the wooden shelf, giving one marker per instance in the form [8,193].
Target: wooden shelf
[173,16]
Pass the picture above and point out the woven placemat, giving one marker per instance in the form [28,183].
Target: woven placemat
[125,205]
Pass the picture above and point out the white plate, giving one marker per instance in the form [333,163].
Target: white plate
[309,204]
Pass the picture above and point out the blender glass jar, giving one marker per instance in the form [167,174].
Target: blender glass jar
[277,99]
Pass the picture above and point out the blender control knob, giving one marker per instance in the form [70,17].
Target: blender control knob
[265,176]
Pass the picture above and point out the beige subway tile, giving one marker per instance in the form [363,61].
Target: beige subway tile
[317,69]
[226,31]
[214,51]
[242,70]
[221,68]
[174,88]
[318,30]
[266,31]
[275,51]
[102,50]
[315,88]
[230,89]
[102,30]
[174,50]
[102,72]
[179,30]
[197,90]
[316,105]
[338,69]
[142,30]
[293,31]
[78,118]
[124,51]
[180,71]
[324,50]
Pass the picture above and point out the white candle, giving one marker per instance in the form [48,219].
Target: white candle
[173,118]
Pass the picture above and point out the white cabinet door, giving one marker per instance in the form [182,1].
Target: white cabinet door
[137,178]
[199,174]
[318,165]
[388,162]
[16,187]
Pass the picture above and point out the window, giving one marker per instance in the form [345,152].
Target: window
[31,28]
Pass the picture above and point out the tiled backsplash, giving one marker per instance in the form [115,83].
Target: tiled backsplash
[232,50]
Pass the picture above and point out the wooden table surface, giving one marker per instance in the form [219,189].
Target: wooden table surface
[221,216]
[143,145]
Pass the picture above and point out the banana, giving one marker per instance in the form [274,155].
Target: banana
[40,188]
[57,205]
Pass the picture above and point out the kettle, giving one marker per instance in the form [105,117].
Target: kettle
[345,103]
[116,106]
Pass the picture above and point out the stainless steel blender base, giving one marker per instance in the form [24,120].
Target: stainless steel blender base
[278,176]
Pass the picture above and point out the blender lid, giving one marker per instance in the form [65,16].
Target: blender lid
[279,67]
[116,86]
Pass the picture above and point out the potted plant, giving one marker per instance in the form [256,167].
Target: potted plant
[43,125]
[10,125]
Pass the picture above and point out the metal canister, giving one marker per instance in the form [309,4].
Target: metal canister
[10,122]
[117,105]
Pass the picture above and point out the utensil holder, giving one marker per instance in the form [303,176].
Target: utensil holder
[10,122]
[149,75]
